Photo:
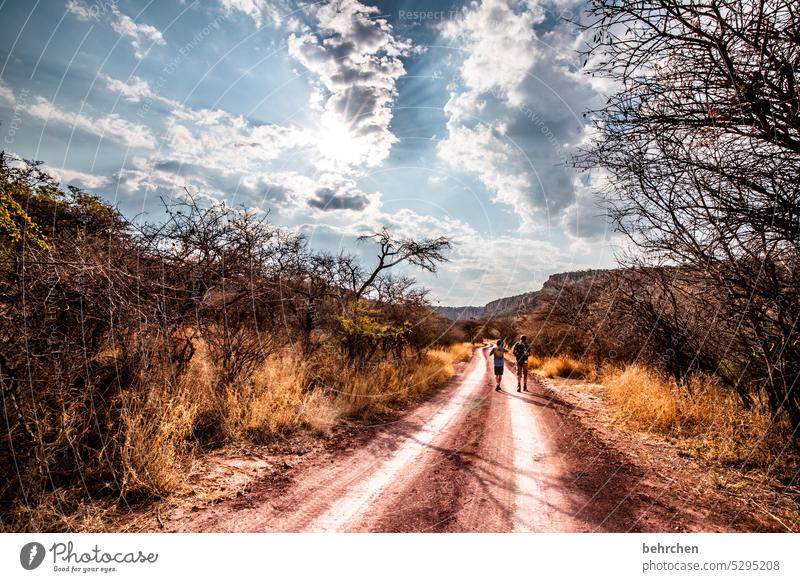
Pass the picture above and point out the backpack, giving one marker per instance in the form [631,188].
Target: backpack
[519,350]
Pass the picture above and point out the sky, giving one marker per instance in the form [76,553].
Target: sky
[430,118]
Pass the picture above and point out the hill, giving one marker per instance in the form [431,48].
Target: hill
[516,304]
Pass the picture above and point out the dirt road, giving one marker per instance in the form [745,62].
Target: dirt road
[466,459]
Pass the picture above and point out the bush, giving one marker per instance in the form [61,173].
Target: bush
[124,347]
[703,411]
[563,367]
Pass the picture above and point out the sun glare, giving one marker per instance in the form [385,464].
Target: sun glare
[336,142]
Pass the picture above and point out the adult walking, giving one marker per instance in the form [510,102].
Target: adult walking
[522,351]
[498,353]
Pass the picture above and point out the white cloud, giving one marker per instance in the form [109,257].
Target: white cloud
[587,217]
[356,60]
[74,177]
[142,36]
[481,150]
[500,43]
[111,126]
[293,193]
[6,93]
[144,175]
[528,88]
[217,139]
[258,10]
[132,181]
[320,195]
[213,138]
[252,8]
[278,13]
[134,90]
[79,10]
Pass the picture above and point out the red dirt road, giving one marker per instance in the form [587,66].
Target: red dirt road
[467,459]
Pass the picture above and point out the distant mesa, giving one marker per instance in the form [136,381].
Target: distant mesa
[516,304]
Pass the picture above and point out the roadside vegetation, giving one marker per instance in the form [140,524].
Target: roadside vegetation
[126,348]
[697,333]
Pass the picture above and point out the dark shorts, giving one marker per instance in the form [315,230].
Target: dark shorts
[498,370]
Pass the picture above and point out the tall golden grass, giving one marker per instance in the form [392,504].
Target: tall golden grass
[562,367]
[361,393]
[704,412]
[705,415]
[277,400]
[166,424]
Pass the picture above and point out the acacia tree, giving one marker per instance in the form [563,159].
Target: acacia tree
[367,307]
[425,254]
[702,142]
[403,308]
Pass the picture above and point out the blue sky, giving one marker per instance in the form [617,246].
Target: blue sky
[338,118]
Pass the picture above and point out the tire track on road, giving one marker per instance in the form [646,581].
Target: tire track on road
[349,508]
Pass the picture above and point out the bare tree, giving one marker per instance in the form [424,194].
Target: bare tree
[225,264]
[425,254]
[702,142]
[100,318]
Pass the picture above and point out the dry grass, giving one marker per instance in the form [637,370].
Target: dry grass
[149,449]
[535,363]
[277,401]
[272,404]
[163,426]
[155,435]
[644,400]
[563,367]
[707,415]
[362,393]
